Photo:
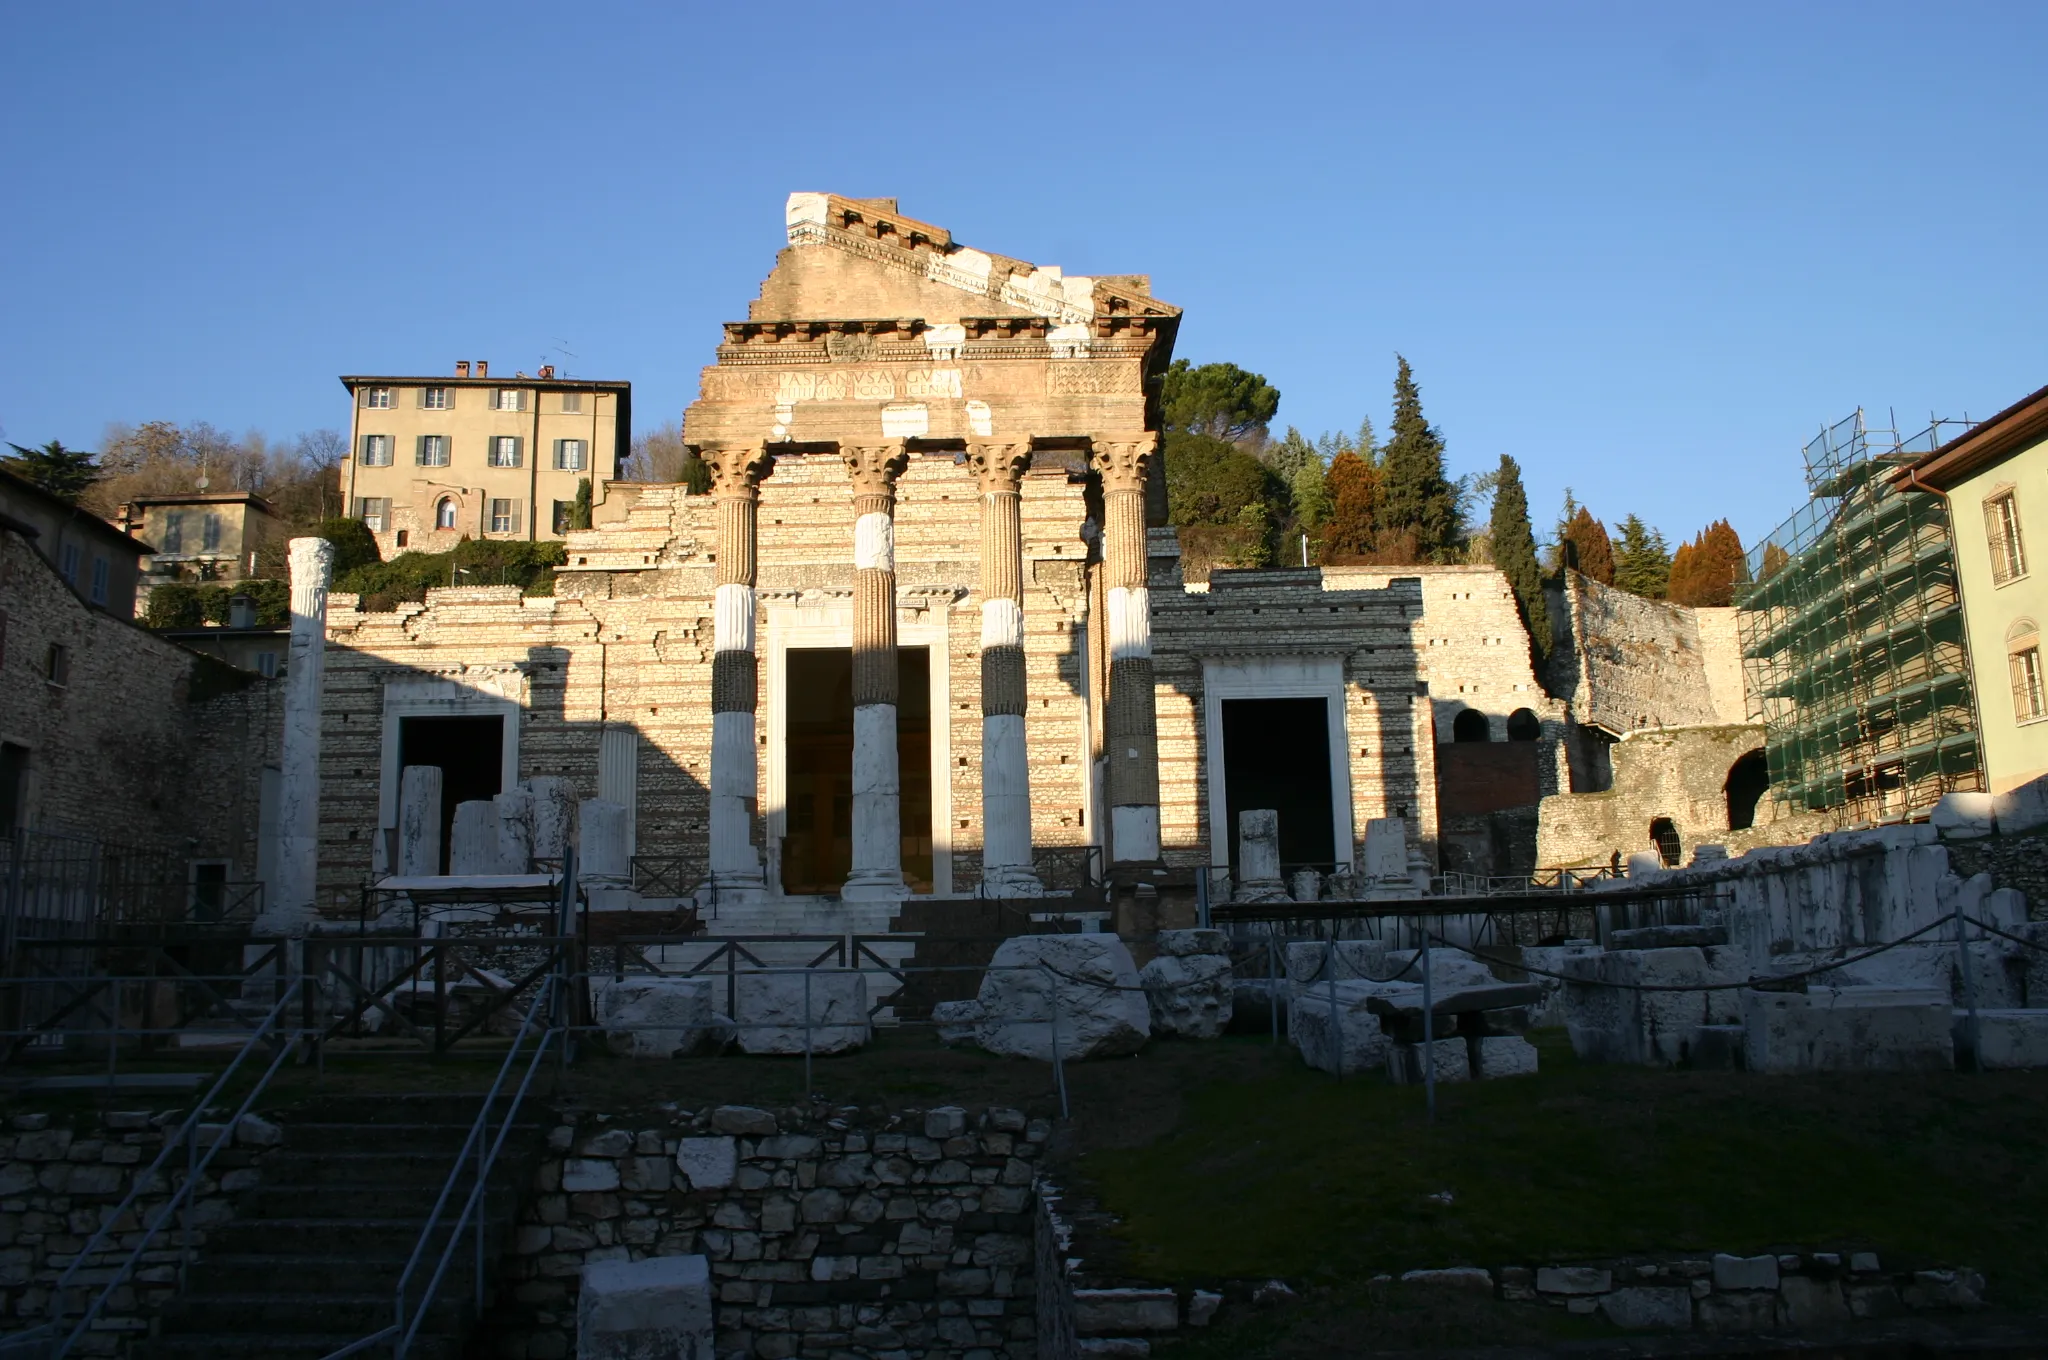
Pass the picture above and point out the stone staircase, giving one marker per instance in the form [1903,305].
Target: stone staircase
[312,1259]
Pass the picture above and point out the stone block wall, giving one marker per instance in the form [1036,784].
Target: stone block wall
[1626,663]
[828,1231]
[1680,774]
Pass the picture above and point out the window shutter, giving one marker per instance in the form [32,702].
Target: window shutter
[518,521]
[559,456]
[1994,539]
[518,450]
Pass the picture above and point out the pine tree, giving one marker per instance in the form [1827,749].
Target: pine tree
[1417,501]
[1642,564]
[1584,547]
[64,473]
[1513,544]
[1311,494]
[1352,486]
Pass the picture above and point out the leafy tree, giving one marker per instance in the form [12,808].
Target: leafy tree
[659,455]
[1417,502]
[1221,401]
[64,473]
[579,509]
[1642,564]
[1584,547]
[410,575]
[1707,570]
[354,544]
[1513,544]
[1352,486]
[1210,481]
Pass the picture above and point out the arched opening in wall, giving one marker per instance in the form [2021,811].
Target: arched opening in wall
[1666,836]
[1748,777]
[1523,726]
[444,513]
[1470,725]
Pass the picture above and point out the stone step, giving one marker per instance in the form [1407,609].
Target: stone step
[343,1236]
[442,1139]
[285,1346]
[408,1202]
[288,1166]
[285,1312]
[226,1271]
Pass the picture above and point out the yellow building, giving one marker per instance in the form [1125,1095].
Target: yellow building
[434,460]
[1996,481]
[204,536]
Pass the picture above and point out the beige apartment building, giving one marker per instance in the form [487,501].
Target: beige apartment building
[433,460]
[1996,481]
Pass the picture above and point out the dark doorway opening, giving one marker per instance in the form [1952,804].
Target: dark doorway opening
[209,891]
[1666,836]
[1523,725]
[1276,754]
[817,845]
[13,786]
[1470,725]
[470,752]
[1748,777]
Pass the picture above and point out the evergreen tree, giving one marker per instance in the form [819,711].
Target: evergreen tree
[1311,493]
[1513,545]
[1706,571]
[579,509]
[1289,454]
[1418,504]
[1642,564]
[1584,547]
[1352,487]
[1221,401]
[64,473]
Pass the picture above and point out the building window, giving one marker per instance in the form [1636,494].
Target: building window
[100,572]
[562,512]
[374,511]
[2002,530]
[378,398]
[445,512]
[2023,659]
[431,450]
[570,455]
[209,533]
[504,450]
[404,538]
[508,399]
[434,399]
[174,531]
[504,517]
[57,667]
[266,665]
[376,450]
[67,562]
[572,403]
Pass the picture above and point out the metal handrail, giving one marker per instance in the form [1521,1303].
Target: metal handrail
[485,1162]
[195,1166]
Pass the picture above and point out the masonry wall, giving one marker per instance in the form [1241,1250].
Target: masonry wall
[145,743]
[1679,773]
[1626,663]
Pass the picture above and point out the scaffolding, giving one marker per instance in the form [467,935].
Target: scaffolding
[1852,637]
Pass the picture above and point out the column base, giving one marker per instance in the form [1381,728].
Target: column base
[875,885]
[737,885]
[1010,880]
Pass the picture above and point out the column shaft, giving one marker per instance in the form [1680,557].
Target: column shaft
[1005,772]
[877,871]
[291,907]
[736,473]
[1131,734]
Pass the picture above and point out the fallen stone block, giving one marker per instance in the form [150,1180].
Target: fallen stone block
[1501,1055]
[1190,995]
[1310,963]
[1574,1280]
[1183,943]
[1745,1272]
[1085,985]
[1740,1314]
[1646,1308]
[772,1009]
[1452,1062]
[1964,816]
[1335,1029]
[1847,1029]
[654,1017]
[1448,968]
[1611,1019]
[1811,1304]
[1667,937]
[1452,1277]
[656,1309]
[956,1021]
[1107,1312]
[2010,1039]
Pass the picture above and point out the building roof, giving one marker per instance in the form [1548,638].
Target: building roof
[15,484]
[2018,426]
[209,498]
[354,380]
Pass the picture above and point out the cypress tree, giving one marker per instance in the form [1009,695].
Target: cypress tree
[1514,552]
[1417,501]
[1353,486]
[1585,548]
[1707,570]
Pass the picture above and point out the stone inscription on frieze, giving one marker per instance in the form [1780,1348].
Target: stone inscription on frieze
[858,384]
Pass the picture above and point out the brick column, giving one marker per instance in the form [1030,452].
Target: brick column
[736,473]
[1130,726]
[1005,779]
[877,873]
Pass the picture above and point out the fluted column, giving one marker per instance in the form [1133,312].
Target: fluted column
[877,873]
[290,908]
[1005,778]
[1130,726]
[736,473]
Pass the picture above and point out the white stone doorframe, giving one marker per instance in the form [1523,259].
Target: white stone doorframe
[827,622]
[1276,678]
[495,693]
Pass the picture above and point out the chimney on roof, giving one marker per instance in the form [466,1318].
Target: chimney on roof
[483,368]
[547,370]
[462,368]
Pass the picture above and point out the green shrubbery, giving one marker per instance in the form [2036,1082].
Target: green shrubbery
[408,576]
[179,605]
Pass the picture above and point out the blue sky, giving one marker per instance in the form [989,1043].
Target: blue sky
[1646,249]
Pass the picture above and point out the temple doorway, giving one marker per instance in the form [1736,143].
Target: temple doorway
[817,846]
[470,754]
[1276,754]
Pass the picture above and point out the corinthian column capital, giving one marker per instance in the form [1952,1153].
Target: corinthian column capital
[1123,460]
[998,467]
[737,469]
[875,467]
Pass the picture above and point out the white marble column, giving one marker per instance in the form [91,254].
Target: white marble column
[289,907]
[1005,775]
[736,473]
[877,873]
